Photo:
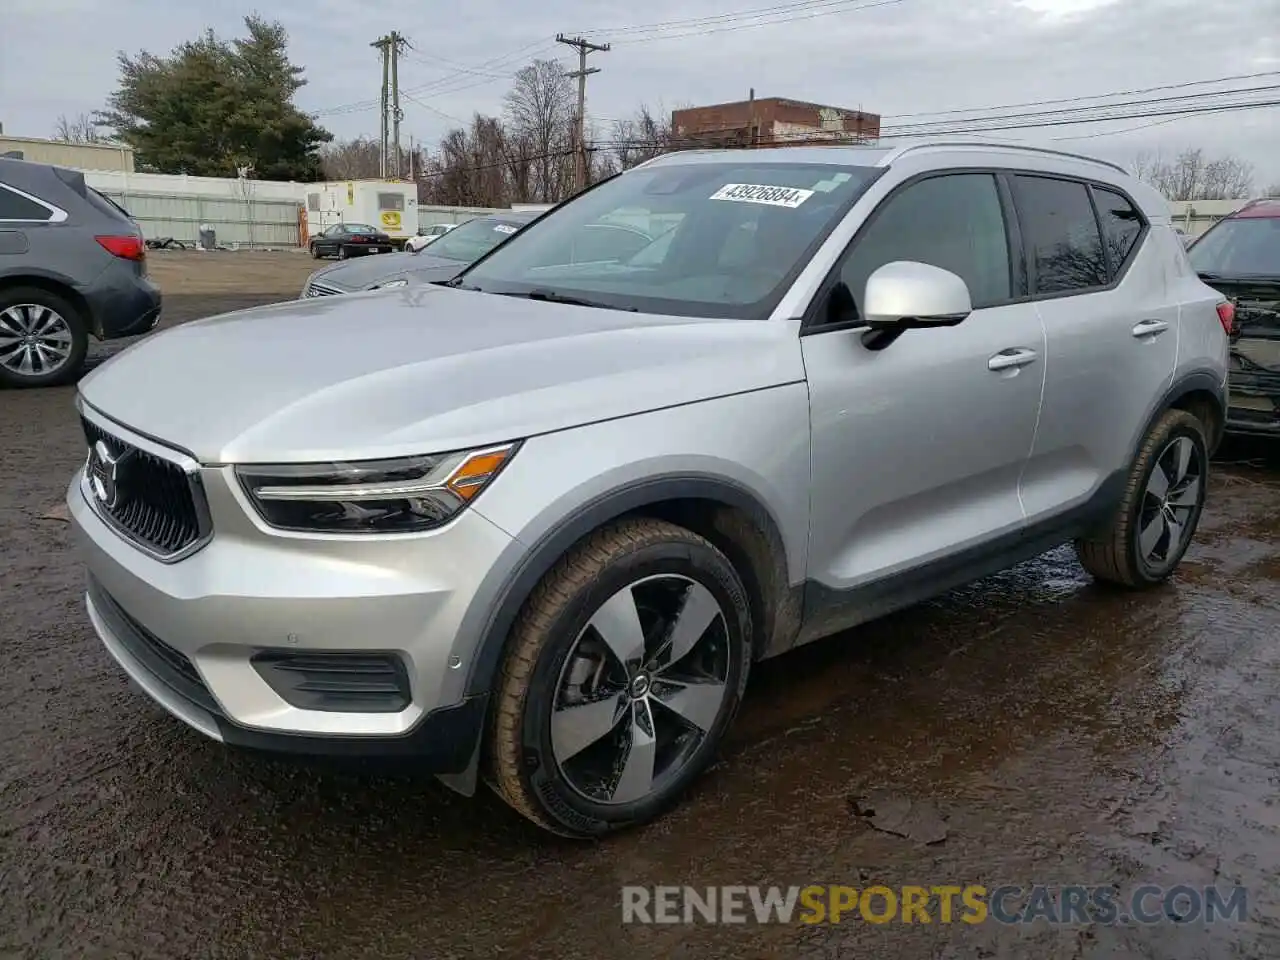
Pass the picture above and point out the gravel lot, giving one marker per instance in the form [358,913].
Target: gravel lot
[1065,733]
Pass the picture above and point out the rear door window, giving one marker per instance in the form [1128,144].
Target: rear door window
[15,206]
[1061,233]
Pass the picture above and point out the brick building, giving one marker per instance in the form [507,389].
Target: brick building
[773,121]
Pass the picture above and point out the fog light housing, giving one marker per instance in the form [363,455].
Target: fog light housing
[336,682]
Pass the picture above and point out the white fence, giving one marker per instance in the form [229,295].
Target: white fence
[244,213]
[238,223]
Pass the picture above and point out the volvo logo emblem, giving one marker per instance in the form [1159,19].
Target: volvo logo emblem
[105,474]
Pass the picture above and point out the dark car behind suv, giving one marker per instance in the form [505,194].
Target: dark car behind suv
[72,265]
[1240,257]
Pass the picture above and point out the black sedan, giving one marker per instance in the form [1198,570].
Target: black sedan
[344,240]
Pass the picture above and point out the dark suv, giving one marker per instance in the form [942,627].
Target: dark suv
[72,263]
[1240,256]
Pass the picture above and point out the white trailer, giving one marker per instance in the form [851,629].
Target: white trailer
[385,205]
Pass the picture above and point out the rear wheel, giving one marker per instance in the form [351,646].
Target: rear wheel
[1161,509]
[43,338]
[342,253]
[622,674]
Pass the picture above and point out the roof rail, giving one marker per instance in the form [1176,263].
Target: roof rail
[898,152]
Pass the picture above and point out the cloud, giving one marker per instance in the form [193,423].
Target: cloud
[896,59]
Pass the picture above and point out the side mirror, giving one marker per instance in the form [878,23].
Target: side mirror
[905,295]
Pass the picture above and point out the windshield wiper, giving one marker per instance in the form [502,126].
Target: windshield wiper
[550,296]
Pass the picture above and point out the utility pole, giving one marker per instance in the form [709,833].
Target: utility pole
[397,114]
[583,47]
[383,44]
[390,47]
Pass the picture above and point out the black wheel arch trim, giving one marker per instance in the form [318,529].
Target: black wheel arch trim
[16,276]
[485,662]
[1196,381]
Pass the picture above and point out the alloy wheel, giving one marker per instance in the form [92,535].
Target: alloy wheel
[1173,494]
[641,689]
[35,340]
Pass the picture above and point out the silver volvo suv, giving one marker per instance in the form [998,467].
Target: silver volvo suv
[534,526]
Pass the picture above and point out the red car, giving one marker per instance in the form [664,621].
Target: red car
[1240,257]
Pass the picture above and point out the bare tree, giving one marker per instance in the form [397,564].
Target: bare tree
[1227,178]
[1191,175]
[642,137]
[79,129]
[351,159]
[540,111]
[471,169]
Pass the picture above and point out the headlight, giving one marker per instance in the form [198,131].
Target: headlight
[373,496]
[401,282]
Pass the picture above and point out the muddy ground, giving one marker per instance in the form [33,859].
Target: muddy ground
[1066,734]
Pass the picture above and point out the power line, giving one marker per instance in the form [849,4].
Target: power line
[1096,96]
[713,19]
[360,106]
[924,126]
[730,26]
[719,23]
[426,106]
[676,145]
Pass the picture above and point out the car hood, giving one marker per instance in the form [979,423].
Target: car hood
[359,273]
[419,370]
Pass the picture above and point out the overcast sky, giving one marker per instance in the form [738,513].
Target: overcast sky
[894,58]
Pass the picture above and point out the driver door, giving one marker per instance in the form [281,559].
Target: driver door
[918,447]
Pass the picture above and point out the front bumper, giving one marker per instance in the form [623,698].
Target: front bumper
[186,631]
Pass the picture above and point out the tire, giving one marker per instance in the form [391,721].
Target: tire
[1119,554]
[342,253]
[590,789]
[32,310]
[315,252]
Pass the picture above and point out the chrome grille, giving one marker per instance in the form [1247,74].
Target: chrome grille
[150,500]
[317,289]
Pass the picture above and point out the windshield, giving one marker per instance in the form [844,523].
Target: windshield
[1248,247]
[691,239]
[473,239]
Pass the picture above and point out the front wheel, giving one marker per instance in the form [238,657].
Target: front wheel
[621,676]
[1160,510]
[315,252]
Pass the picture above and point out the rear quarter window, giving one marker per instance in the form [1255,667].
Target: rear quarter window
[15,206]
[1122,226]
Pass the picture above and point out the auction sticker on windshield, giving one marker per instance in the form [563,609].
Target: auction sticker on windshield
[504,228]
[759,193]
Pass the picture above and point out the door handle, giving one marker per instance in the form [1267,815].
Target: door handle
[1150,328]
[1013,357]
